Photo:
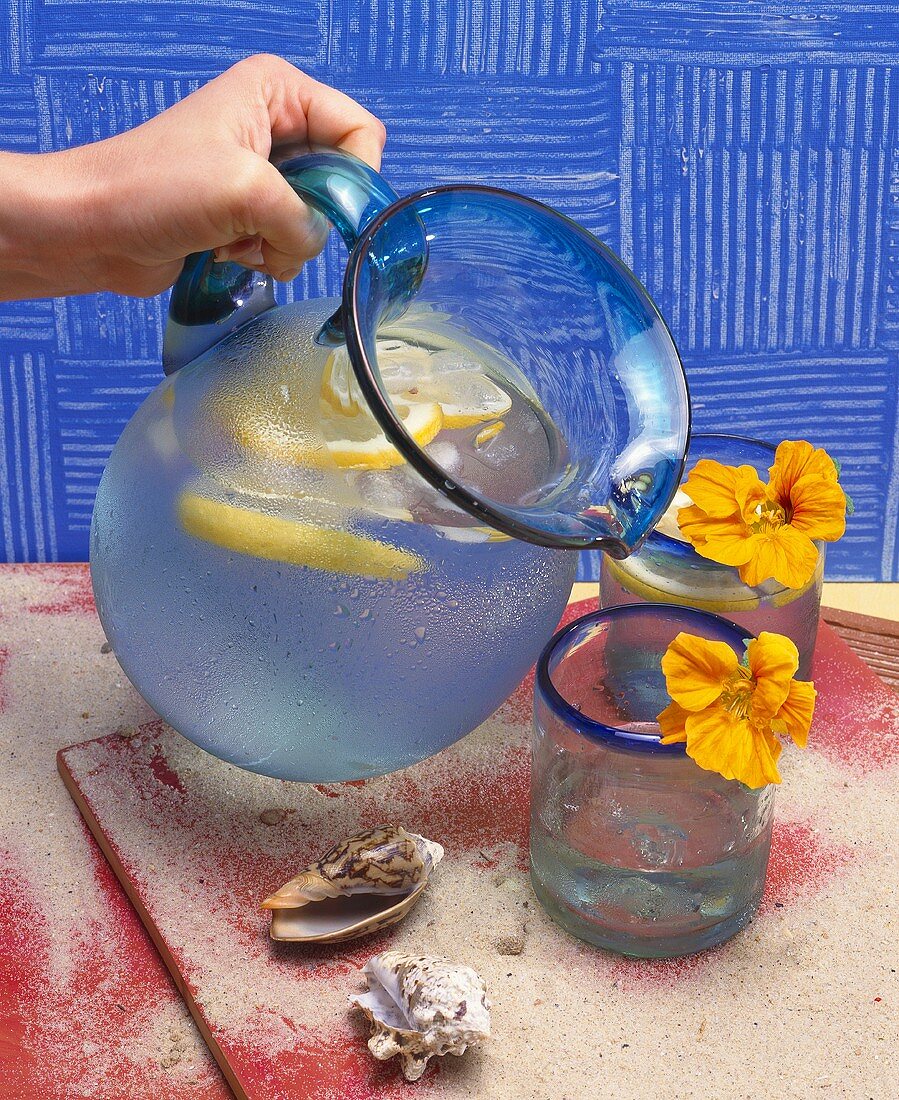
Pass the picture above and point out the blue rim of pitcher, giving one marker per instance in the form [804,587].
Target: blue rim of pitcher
[600,731]
[392,425]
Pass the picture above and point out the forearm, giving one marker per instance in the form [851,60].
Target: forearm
[51,203]
[122,214]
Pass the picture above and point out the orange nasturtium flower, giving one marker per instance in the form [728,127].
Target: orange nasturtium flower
[731,715]
[768,530]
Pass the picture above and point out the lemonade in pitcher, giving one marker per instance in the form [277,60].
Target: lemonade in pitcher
[316,595]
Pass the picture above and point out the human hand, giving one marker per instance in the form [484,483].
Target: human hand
[122,214]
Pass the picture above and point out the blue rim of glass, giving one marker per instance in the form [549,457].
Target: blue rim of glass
[392,425]
[599,731]
[676,547]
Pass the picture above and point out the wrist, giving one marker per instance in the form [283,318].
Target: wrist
[54,203]
[21,182]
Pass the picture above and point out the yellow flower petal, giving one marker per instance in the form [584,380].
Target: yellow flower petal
[672,724]
[727,547]
[766,533]
[693,523]
[784,554]
[773,660]
[723,539]
[722,491]
[796,459]
[773,746]
[717,524]
[749,490]
[731,715]
[719,741]
[696,670]
[804,482]
[818,508]
[797,710]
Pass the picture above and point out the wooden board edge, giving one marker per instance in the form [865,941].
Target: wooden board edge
[112,858]
[854,620]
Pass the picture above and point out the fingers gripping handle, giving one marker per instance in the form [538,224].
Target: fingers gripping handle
[210,300]
[342,187]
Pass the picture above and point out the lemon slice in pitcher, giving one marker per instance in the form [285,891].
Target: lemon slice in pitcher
[401,366]
[353,441]
[466,396]
[276,538]
[357,442]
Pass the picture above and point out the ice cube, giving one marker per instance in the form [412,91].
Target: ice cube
[389,493]
[446,455]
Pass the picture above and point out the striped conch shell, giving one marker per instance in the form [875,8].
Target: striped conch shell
[361,885]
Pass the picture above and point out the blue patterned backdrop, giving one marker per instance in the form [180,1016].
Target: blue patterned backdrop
[743,158]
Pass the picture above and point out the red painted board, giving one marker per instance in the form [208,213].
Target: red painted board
[196,844]
[88,1010]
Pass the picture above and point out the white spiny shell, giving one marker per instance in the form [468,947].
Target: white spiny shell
[361,885]
[422,1006]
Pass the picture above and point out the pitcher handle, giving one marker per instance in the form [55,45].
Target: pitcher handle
[211,300]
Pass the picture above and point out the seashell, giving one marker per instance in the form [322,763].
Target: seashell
[362,885]
[421,1007]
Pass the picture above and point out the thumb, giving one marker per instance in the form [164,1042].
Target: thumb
[290,231]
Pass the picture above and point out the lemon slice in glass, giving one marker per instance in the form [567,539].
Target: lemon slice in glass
[276,538]
[643,583]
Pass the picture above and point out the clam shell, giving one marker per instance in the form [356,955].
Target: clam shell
[421,1007]
[361,885]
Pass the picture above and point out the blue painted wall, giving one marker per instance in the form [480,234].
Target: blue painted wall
[742,157]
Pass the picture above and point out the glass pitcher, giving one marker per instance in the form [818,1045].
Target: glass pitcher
[335,538]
